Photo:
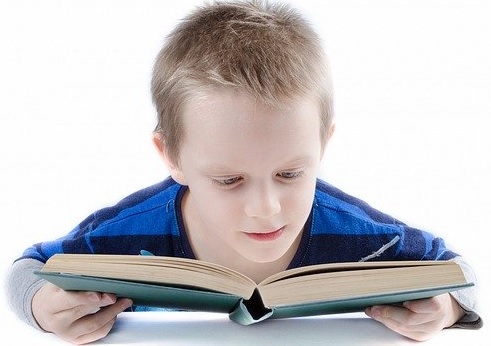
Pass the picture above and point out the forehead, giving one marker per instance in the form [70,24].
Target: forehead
[233,126]
[228,110]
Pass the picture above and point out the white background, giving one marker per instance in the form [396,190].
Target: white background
[412,84]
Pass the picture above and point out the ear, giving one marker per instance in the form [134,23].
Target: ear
[330,132]
[173,167]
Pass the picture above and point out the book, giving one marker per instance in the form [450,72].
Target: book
[189,284]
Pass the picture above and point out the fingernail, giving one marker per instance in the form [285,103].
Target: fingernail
[127,303]
[374,312]
[107,299]
[93,296]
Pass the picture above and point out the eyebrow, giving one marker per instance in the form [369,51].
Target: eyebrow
[218,168]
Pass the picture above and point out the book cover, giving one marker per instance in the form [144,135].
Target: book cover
[240,310]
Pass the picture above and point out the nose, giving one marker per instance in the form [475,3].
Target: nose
[262,202]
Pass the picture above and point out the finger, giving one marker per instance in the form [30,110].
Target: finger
[401,315]
[95,326]
[405,322]
[388,312]
[72,306]
[79,304]
[427,306]
[56,299]
[76,298]
[419,332]
[95,335]
[55,309]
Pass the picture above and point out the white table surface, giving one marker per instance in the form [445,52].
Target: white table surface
[194,328]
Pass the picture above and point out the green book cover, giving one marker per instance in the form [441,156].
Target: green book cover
[242,311]
[172,297]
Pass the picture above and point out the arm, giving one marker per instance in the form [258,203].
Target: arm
[77,317]
[467,299]
[21,286]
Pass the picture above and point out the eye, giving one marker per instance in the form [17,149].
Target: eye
[290,175]
[226,182]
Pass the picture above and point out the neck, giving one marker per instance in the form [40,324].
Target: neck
[205,249]
[257,271]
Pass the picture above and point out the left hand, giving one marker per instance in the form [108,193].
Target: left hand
[419,319]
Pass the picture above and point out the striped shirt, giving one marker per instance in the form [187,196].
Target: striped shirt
[340,228]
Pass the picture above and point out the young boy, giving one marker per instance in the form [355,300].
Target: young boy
[244,105]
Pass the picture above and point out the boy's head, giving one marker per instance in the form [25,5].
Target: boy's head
[266,51]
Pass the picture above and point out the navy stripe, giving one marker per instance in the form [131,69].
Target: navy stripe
[132,200]
[374,214]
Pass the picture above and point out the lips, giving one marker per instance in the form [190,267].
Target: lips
[266,236]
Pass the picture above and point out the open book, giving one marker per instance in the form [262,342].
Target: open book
[201,286]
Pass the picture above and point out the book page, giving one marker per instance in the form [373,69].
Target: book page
[355,283]
[154,269]
[346,266]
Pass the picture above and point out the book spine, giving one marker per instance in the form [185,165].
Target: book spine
[250,311]
[243,316]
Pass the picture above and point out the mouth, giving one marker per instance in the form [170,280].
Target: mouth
[266,236]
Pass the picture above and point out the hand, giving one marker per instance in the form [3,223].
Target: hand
[419,319]
[77,317]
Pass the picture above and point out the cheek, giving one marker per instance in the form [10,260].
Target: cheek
[217,207]
[299,200]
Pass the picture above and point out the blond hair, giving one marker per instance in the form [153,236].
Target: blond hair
[266,50]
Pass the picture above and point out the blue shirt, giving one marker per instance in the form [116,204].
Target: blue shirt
[340,228]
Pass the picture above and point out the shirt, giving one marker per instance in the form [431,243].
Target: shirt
[340,228]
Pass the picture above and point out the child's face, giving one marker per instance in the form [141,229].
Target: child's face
[251,172]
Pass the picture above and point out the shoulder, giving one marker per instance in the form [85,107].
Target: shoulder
[329,198]
[350,225]
[152,203]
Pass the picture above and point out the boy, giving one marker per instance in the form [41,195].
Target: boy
[244,108]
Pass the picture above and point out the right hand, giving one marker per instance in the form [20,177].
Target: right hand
[77,317]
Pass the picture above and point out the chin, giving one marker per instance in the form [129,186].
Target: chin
[268,253]
[269,258]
